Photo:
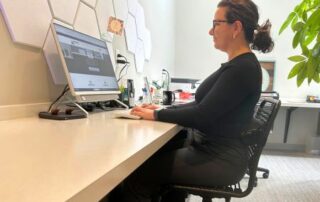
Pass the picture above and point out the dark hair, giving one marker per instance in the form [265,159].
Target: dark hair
[247,13]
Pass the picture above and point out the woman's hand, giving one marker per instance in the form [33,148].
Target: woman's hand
[144,113]
[150,106]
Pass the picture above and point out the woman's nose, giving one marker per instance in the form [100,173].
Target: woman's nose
[211,32]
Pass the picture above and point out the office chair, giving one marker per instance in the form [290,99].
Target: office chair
[274,95]
[255,137]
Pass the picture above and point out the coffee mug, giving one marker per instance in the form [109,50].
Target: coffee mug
[168,97]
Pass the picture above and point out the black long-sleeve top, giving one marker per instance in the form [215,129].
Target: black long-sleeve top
[224,102]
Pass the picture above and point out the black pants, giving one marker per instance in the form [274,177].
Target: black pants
[203,163]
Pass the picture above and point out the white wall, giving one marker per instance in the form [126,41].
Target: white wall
[159,15]
[197,58]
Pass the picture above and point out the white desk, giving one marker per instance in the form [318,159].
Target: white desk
[292,105]
[76,160]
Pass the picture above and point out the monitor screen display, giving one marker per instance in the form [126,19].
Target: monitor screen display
[87,61]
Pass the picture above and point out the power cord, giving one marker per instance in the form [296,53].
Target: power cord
[65,90]
[125,67]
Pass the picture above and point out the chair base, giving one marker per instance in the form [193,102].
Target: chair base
[265,171]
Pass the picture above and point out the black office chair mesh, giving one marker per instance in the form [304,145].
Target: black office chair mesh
[255,137]
[274,95]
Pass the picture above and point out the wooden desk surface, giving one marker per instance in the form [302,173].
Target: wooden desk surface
[75,160]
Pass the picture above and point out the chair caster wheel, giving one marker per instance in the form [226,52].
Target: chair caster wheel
[265,175]
[255,183]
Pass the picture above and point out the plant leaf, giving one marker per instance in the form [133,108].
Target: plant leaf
[316,50]
[301,76]
[316,77]
[294,22]
[287,22]
[305,50]
[298,26]
[296,69]
[304,16]
[311,69]
[297,58]
[314,18]
[310,38]
[296,39]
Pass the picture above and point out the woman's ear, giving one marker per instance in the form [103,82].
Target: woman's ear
[237,29]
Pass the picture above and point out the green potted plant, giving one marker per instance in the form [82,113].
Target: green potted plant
[304,21]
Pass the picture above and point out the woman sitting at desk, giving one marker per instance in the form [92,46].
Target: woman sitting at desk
[224,104]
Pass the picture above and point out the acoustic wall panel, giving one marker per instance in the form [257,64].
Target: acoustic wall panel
[131,34]
[63,10]
[139,56]
[86,21]
[51,54]
[62,23]
[147,44]
[104,10]
[28,20]
[111,53]
[91,3]
[140,21]
[132,6]
[121,9]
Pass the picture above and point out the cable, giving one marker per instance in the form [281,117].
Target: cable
[126,65]
[66,89]
[120,77]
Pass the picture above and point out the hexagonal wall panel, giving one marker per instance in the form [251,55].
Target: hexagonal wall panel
[132,6]
[62,23]
[121,9]
[28,21]
[147,44]
[131,34]
[91,3]
[111,53]
[86,21]
[63,10]
[139,56]
[140,22]
[104,10]
[51,54]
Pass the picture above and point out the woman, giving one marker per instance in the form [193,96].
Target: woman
[224,104]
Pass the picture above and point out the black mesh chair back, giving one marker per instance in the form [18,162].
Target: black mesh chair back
[270,94]
[274,95]
[255,137]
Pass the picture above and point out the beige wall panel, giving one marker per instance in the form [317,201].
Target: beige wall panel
[139,56]
[131,34]
[104,10]
[140,22]
[28,20]
[24,77]
[86,21]
[112,56]
[121,9]
[132,6]
[51,53]
[64,10]
[62,23]
[91,3]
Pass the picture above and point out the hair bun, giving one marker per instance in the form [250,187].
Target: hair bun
[262,40]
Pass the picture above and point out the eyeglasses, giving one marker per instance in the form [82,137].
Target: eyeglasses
[216,22]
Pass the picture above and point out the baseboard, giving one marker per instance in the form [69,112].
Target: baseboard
[19,111]
[285,147]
